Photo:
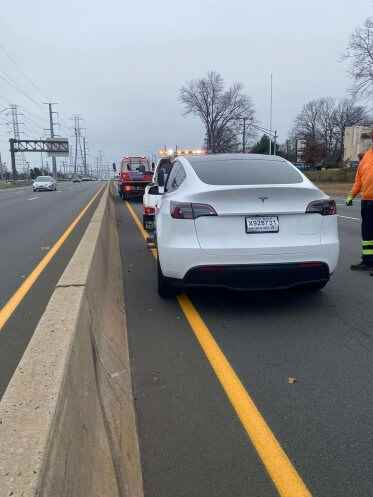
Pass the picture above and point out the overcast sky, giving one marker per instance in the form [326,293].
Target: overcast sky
[120,64]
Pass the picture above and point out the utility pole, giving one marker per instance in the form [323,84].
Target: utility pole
[1,169]
[85,157]
[51,130]
[244,119]
[42,162]
[244,135]
[13,157]
[76,145]
[77,133]
[271,113]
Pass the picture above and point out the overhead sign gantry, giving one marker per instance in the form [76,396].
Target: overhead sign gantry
[52,146]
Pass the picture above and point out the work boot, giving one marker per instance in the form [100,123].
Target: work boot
[362,266]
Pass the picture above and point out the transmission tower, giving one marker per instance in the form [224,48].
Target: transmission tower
[21,159]
[99,163]
[78,144]
[51,131]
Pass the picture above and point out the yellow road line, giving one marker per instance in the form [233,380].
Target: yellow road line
[278,465]
[137,220]
[140,226]
[282,472]
[14,301]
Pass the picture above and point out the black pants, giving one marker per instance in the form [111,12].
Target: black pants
[367,230]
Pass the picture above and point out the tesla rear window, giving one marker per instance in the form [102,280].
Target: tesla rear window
[246,172]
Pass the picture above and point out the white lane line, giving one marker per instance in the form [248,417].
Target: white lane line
[33,198]
[351,218]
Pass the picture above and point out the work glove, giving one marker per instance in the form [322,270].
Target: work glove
[349,201]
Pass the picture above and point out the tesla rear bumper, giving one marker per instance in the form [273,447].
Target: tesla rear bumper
[256,276]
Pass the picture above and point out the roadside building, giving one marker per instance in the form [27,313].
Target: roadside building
[300,147]
[357,140]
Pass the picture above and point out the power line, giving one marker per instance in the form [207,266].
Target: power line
[37,116]
[16,87]
[12,59]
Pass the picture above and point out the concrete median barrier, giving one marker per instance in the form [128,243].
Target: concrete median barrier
[67,420]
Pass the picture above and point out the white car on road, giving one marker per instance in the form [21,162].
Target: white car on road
[44,183]
[243,221]
[151,195]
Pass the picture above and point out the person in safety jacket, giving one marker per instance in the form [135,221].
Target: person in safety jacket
[364,185]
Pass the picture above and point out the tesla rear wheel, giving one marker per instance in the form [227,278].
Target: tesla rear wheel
[165,290]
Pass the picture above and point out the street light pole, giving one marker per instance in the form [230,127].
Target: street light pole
[270,114]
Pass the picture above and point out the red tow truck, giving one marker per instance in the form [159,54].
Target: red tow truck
[135,173]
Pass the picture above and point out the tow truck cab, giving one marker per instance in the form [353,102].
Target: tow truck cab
[135,174]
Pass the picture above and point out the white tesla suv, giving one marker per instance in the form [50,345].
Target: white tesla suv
[243,221]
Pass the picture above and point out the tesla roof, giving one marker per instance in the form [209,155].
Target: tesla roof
[229,157]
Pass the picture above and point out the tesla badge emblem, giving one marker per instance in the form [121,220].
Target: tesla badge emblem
[263,199]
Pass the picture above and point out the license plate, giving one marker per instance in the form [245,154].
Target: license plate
[262,224]
[149,225]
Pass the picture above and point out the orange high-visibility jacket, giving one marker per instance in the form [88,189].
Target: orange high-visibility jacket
[364,177]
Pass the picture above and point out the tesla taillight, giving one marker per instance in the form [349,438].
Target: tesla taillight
[323,207]
[149,210]
[201,210]
[183,210]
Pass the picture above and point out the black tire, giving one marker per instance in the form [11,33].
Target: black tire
[165,290]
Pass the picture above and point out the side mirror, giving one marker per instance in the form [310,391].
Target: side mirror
[161,178]
[154,190]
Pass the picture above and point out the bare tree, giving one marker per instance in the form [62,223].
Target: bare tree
[326,125]
[360,54]
[348,113]
[322,124]
[306,122]
[226,140]
[219,109]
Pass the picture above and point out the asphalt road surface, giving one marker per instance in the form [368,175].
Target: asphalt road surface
[304,359]
[30,224]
